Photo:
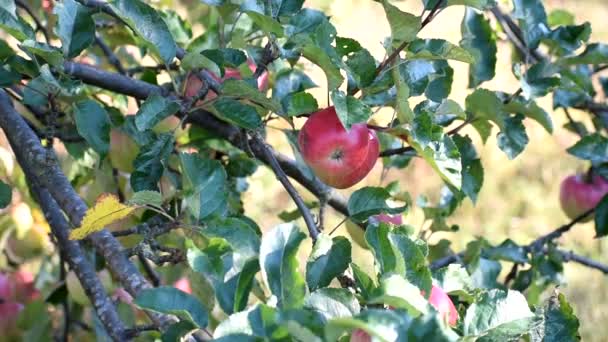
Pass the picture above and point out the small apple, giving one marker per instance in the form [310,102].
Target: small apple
[340,158]
[25,289]
[444,305]
[183,284]
[358,235]
[194,83]
[580,193]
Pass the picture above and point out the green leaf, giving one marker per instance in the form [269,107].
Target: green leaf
[532,111]
[75,27]
[205,187]
[279,264]
[50,54]
[479,4]
[194,60]
[364,282]
[180,29]
[147,197]
[532,21]
[383,325]
[329,258]
[15,26]
[148,24]
[253,324]
[479,39]
[601,218]
[6,195]
[350,110]
[177,331]
[227,264]
[402,105]
[484,104]
[369,201]
[9,6]
[266,23]
[227,57]
[472,170]
[430,49]
[560,324]
[316,55]
[508,251]
[539,80]
[93,125]
[237,113]
[513,139]
[377,239]
[436,148]
[149,163]
[290,81]
[300,103]
[404,26]
[242,90]
[560,17]
[155,109]
[454,279]
[169,300]
[396,291]
[513,320]
[362,67]
[8,78]
[417,271]
[333,303]
[593,147]
[566,39]
[595,53]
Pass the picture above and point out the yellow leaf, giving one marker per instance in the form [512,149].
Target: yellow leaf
[106,210]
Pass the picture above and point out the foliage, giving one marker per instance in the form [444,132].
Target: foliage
[191,157]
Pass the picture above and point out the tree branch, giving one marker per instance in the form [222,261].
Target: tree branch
[110,55]
[46,172]
[75,256]
[313,231]
[39,26]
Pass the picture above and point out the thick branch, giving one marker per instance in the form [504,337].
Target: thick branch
[45,169]
[75,255]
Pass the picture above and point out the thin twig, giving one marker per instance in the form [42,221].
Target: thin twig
[537,244]
[571,256]
[573,123]
[313,231]
[39,26]
[110,55]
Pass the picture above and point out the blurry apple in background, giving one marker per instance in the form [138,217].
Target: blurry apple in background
[123,150]
[16,290]
[194,83]
[438,299]
[358,234]
[340,158]
[579,193]
[183,284]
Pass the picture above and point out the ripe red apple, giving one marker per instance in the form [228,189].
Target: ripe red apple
[340,158]
[579,193]
[194,83]
[442,302]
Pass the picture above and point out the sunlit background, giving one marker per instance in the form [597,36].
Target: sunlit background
[519,199]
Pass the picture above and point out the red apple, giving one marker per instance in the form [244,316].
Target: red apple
[359,335]
[340,158]
[194,83]
[443,304]
[183,284]
[579,193]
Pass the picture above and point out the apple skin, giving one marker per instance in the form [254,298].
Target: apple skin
[442,302]
[15,290]
[183,284]
[578,194]
[338,157]
[194,84]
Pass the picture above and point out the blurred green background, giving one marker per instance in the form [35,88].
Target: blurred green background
[519,199]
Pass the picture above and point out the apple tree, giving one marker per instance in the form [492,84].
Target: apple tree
[136,139]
